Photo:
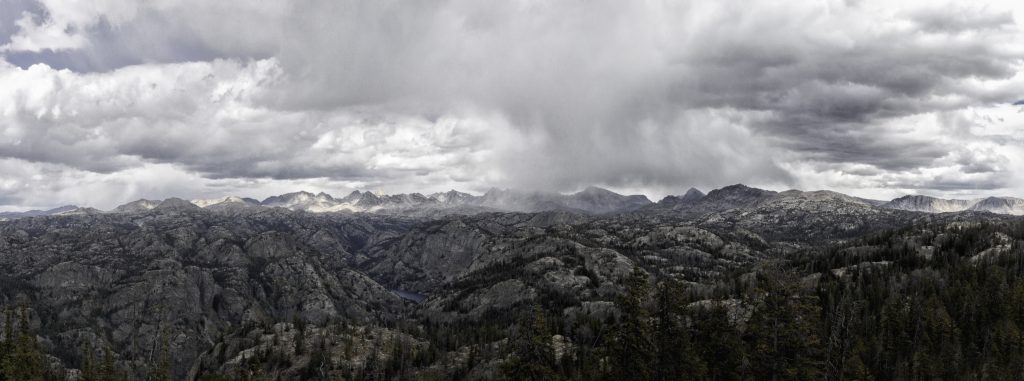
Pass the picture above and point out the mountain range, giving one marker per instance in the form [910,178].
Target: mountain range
[592,200]
[301,285]
[999,205]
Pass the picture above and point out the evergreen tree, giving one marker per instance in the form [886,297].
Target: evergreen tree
[108,371]
[783,333]
[1006,360]
[938,351]
[88,369]
[27,360]
[632,354]
[841,347]
[299,337]
[533,358]
[676,357]
[7,346]
[719,345]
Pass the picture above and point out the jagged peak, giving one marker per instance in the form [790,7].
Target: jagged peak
[450,197]
[288,196]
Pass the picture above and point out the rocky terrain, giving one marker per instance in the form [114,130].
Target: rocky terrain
[288,284]
[201,279]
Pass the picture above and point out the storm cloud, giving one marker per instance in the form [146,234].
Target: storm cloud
[256,98]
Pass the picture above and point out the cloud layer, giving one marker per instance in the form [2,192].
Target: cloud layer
[109,101]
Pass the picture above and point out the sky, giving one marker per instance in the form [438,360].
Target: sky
[107,101]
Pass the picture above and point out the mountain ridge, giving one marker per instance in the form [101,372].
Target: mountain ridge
[591,200]
[928,204]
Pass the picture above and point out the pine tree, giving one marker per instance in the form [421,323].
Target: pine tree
[632,348]
[88,363]
[840,345]
[1006,362]
[299,337]
[783,332]
[676,357]
[938,351]
[7,346]
[27,362]
[108,371]
[718,343]
[534,358]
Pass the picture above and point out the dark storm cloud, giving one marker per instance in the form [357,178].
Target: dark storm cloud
[588,78]
[892,154]
[831,105]
[549,95]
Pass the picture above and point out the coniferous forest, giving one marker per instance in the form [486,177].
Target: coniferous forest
[932,301]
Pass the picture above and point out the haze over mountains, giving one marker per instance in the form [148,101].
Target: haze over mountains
[592,200]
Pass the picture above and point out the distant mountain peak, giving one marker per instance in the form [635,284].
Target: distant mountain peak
[494,190]
[590,200]
[736,186]
[739,191]
[36,212]
[452,197]
[136,206]
[928,204]
[76,211]
[175,203]
[692,194]
[595,189]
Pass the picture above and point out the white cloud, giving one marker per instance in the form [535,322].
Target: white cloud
[869,97]
[203,120]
